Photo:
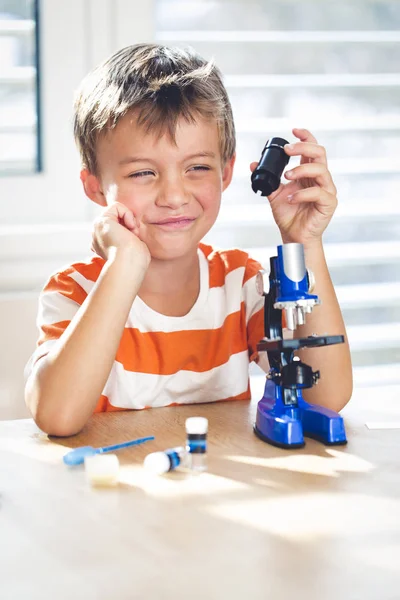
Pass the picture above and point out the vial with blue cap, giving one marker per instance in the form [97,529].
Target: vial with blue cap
[196,443]
[165,461]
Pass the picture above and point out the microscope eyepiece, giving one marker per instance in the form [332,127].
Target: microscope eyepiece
[266,177]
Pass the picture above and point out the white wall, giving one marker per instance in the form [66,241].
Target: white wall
[44,217]
[18,333]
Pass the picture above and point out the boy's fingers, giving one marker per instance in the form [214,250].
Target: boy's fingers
[253,165]
[129,220]
[314,194]
[120,213]
[114,212]
[316,171]
[121,209]
[308,150]
[275,194]
[304,135]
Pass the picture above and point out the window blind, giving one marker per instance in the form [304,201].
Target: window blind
[334,70]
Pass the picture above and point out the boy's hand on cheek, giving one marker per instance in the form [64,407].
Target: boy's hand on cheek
[118,229]
[303,207]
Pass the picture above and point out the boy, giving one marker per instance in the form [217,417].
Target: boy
[157,317]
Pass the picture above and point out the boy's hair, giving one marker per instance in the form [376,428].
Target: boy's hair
[162,84]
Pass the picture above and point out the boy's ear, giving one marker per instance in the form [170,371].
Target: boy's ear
[92,187]
[227,172]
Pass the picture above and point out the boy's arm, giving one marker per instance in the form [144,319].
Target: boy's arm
[302,210]
[334,389]
[65,385]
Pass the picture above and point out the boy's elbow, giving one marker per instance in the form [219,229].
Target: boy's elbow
[56,425]
[334,396]
[343,394]
[49,420]
[347,394]
[340,389]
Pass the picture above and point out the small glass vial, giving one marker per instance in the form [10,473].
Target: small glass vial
[196,443]
[168,460]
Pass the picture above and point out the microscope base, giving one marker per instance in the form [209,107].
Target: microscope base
[285,426]
[274,442]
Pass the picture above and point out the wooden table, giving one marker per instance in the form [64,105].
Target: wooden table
[261,523]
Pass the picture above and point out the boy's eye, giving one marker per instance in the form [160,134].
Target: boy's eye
[141,174]
[200,168]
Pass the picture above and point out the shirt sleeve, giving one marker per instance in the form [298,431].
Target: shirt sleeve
[58,304]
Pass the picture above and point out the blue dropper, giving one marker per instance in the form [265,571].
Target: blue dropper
[77,456]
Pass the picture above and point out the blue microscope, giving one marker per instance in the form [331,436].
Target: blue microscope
[283,416]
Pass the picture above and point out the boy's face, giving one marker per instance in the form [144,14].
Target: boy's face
[174,191]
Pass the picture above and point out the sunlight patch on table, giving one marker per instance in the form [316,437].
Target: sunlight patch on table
[382,555]
[180,483]
[40,448]
[275,485]
[313,516]
[331,466]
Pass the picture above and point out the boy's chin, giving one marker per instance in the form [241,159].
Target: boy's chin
[172,251]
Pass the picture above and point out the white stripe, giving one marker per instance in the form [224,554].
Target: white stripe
[126,389]
[54,307]
[86,284]
[221,302]
[254,302]
[225,300]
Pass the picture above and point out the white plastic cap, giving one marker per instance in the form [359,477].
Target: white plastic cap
[157,462]
[197,425]
[102,469]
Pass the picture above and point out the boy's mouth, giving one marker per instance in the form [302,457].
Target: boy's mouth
[175,222]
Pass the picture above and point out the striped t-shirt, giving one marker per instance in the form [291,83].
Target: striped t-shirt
[203,356]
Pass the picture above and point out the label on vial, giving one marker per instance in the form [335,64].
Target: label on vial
[175,456]
[196,443]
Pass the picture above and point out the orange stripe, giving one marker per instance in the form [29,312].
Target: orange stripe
[222,263]
[243,396]
[252,268]
[104,405]
[53,331]
[206,249]
[193,350]
[63,284]
[90,270]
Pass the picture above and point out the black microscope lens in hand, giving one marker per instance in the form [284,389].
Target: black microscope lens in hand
[266,177]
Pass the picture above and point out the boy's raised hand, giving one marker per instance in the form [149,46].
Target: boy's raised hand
[303,207]
[117,228]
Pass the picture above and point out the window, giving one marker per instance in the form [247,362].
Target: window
[45,218]
[19,93]
[334,70]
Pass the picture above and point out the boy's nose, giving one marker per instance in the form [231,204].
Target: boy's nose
[172,196]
